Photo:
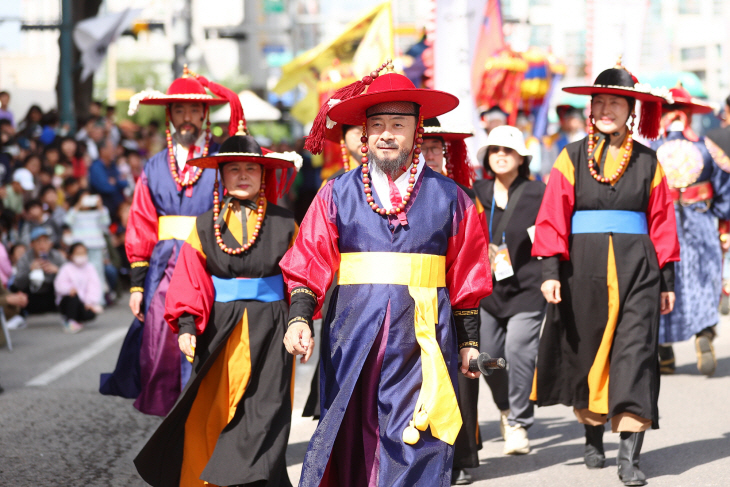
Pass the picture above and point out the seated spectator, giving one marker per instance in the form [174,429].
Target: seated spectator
[71,188]
[78,290]
[34,217]
[50,199]
[36,271]
[5,113]
[104,177]
[45,178]
[30,126]
[91,134]
[19,191]
[89,221]
[70,155]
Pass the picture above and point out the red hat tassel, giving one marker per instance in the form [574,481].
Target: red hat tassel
[233,100]
[651,117]
[315,140]
[462,170]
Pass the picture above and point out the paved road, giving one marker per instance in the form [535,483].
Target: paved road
[58,431]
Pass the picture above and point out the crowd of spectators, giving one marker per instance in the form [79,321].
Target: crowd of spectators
[64,201]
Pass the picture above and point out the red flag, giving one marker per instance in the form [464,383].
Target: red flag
[489,41]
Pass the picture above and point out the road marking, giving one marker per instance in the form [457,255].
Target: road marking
[65,366]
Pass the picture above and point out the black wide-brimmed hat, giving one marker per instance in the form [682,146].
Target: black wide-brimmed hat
[618,81]
[244,148]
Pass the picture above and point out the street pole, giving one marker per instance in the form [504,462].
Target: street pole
[66,67]
[181,32]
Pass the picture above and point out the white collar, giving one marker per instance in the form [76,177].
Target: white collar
[181,152]
[379,181]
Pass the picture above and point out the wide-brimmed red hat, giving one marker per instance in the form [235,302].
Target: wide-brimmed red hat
[392,87]
[349,104]
[680,99]
[619,81]
[190,88]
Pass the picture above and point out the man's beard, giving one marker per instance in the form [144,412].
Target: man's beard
[391,167]
[187,137]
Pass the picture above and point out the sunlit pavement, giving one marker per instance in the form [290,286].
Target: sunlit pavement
[57,430]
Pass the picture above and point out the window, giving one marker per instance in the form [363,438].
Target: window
[540,35]
[689,7]
[692,53]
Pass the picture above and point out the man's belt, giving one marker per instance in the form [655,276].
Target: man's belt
[609,221]
[265,289]
[175,227]
[700,192]
[423,274]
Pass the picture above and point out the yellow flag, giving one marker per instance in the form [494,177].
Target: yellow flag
[342,48]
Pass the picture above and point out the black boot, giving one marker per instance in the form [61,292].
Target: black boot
[459,476]
[666,359]
[595,457]
[629,448]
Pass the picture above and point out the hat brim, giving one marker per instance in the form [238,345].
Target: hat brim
[214,162]
[167,99]
[433,103]
[447,135]
[696,108]
[614,90]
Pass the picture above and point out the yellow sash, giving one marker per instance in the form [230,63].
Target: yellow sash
[423,274]
[175,227]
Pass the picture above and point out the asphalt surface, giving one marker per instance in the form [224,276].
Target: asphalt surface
[57,430]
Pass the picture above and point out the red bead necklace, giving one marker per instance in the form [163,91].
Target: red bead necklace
[197,172]
[624,161]
[449,165]
[411,180]
[259,219]
[345,155]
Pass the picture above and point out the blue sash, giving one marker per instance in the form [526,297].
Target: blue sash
[609,221]
[266,289]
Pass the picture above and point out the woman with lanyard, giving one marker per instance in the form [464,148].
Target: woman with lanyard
[227,304]
[606,231]
[512,315]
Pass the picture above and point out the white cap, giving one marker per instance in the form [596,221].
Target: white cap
[25,178]
[505,136]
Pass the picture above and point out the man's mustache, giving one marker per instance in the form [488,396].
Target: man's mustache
[385,145]
[187,126]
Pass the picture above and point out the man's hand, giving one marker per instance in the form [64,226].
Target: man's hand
[187,343]
[36,264]
[135,304]
[551,290]
[17,299]
[298,340]
[49,267]
[467,354]
[666,301]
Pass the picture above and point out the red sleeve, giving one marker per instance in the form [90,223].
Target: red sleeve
[552,227]
[468,276]
[661,220]
[314,258]
[142,225]
[191,288]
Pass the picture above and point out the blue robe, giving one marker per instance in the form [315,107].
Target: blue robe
[370,369]
[698,274]
[161,359]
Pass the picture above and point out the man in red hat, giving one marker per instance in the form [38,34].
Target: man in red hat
[167,197]
[412,264]
[699,181]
